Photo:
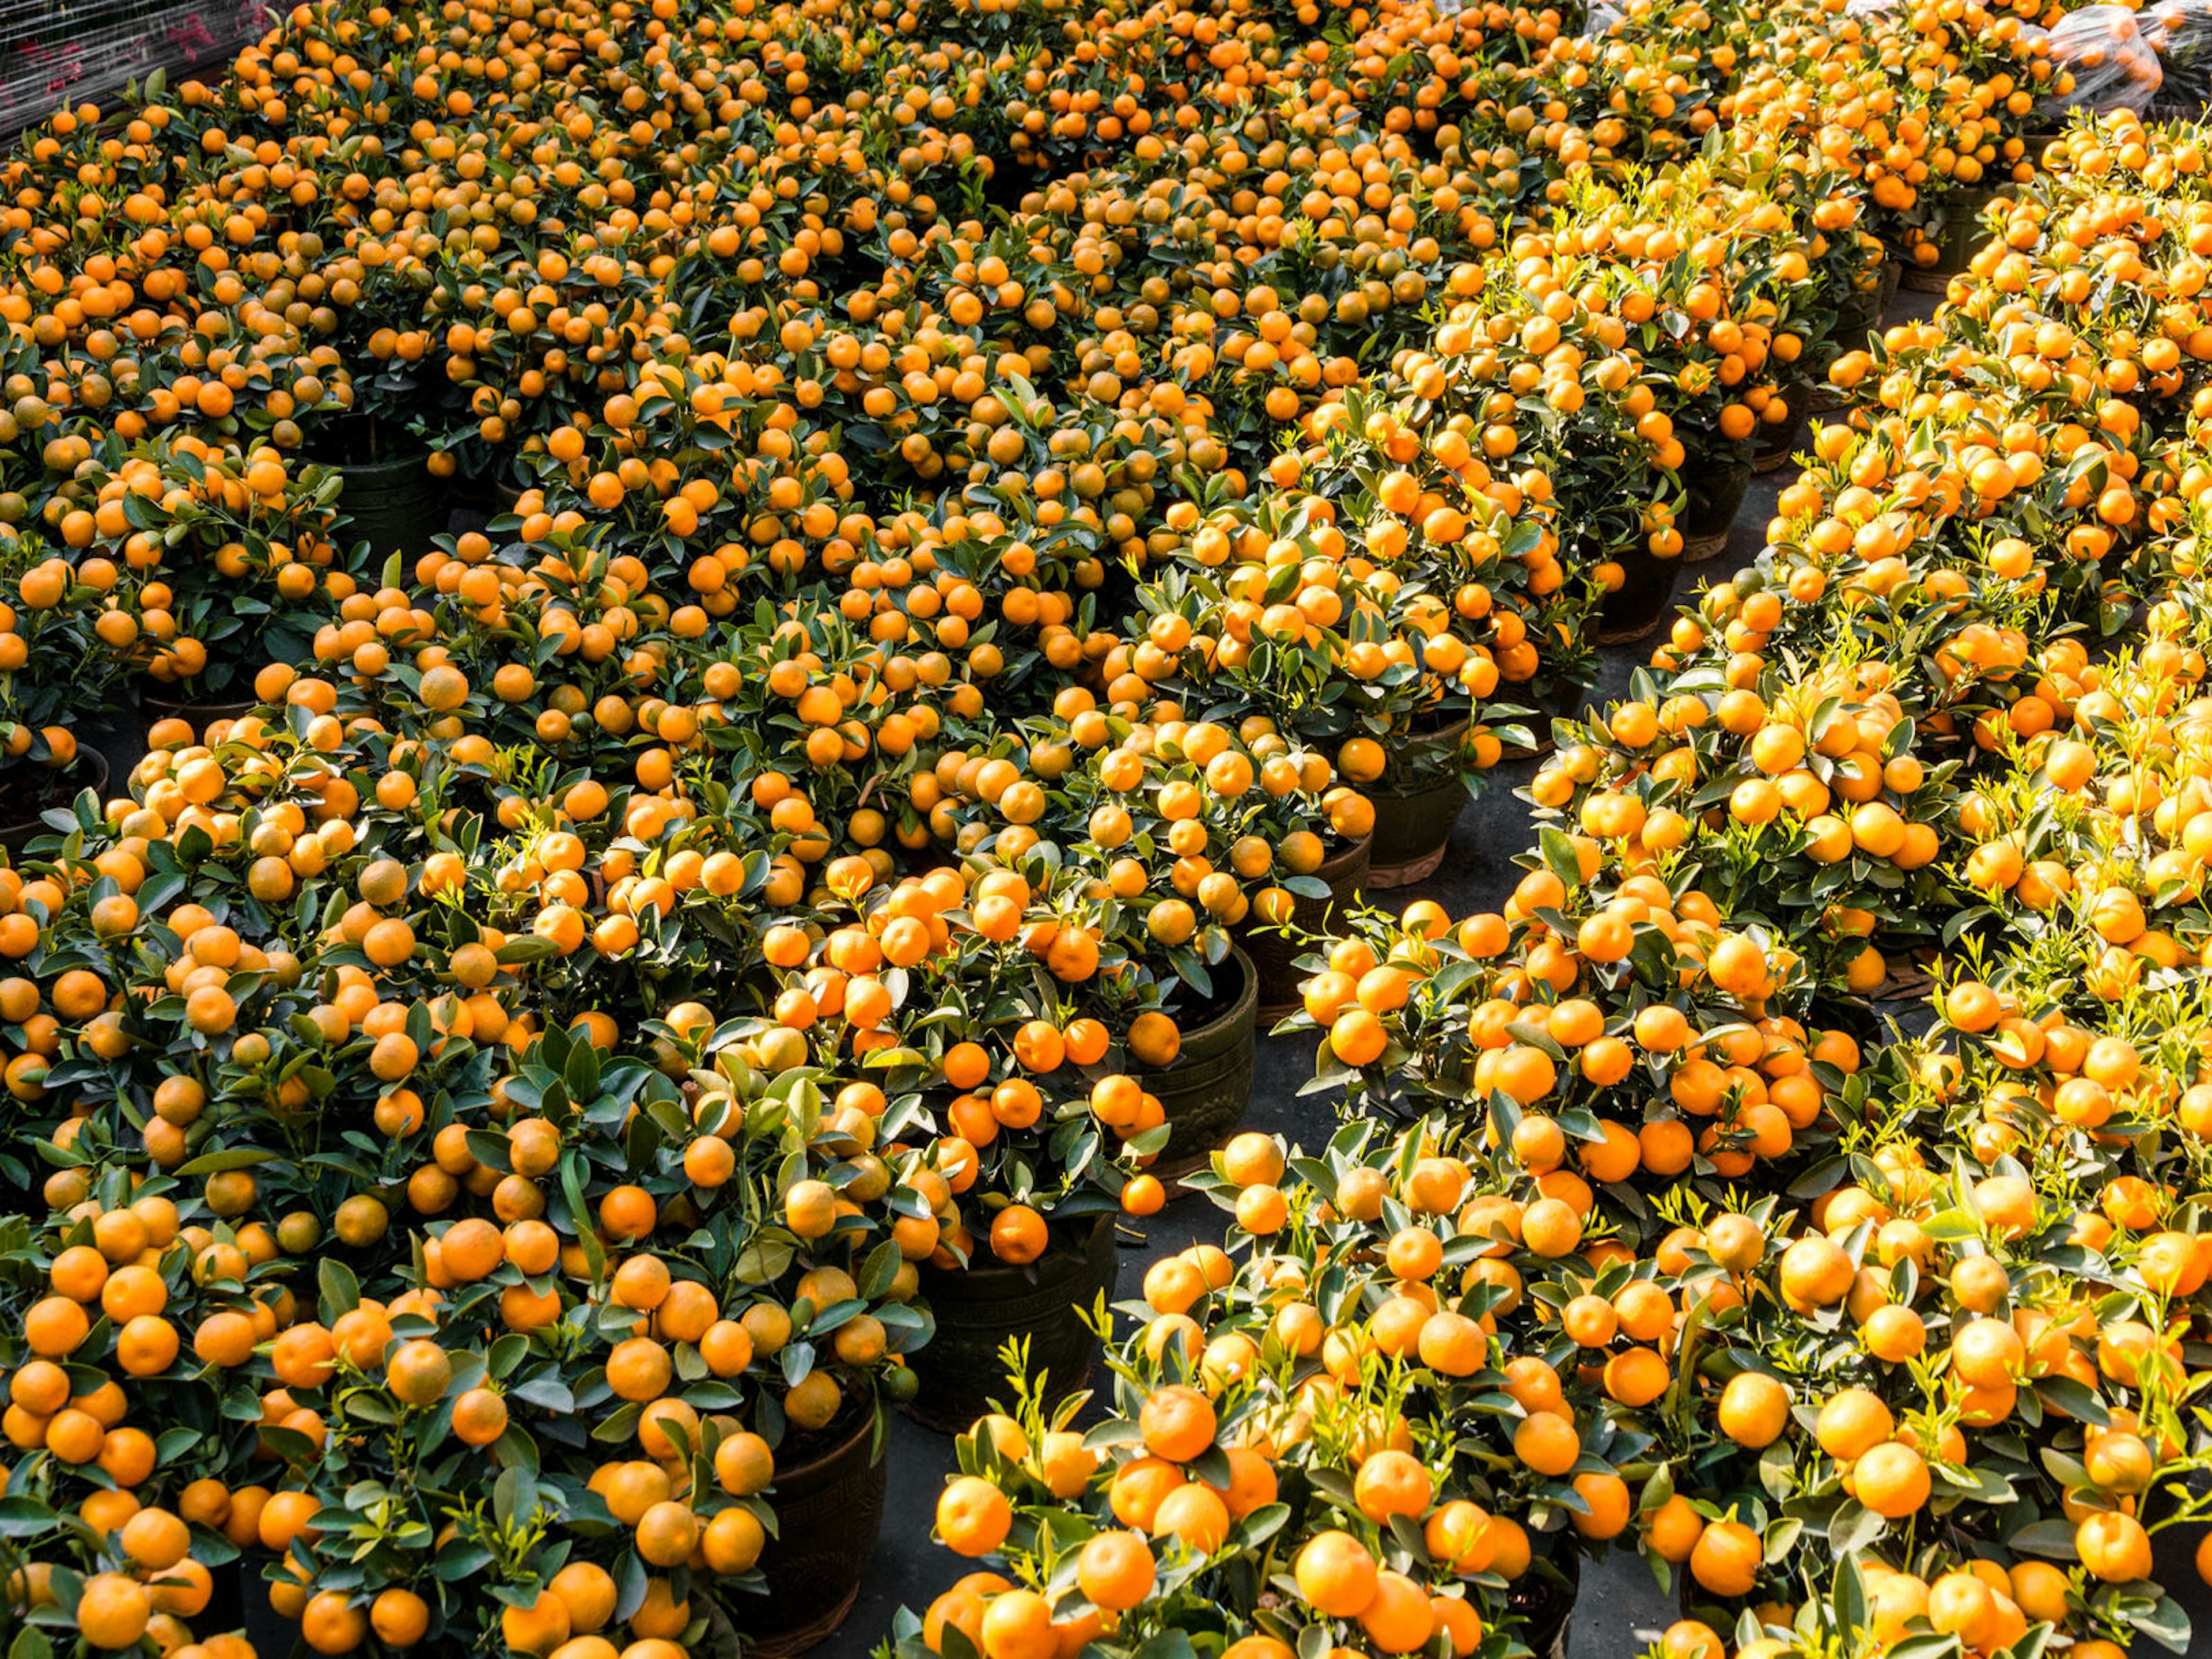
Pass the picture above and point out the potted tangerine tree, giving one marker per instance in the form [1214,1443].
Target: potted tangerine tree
[982,1004]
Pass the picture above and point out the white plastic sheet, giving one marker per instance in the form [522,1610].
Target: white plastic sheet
[2113,64]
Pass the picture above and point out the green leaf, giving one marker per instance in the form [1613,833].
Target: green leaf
[26,1517]
[514,1496]
[2075,1398]
[239,1157]
[459,1560]
[2165,1620]
[879,1272]
[546,1391]
[1852,1528]
[2053,1540]
[338,1291]
[1926,1647]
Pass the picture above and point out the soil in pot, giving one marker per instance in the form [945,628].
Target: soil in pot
[1205,1091]
[976,1309]
[1273,953]
[26,792]
[828,1495]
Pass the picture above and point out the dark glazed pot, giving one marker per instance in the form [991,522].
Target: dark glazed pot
[198,715]
[1548,1605]
[828,1509]
[1205,1092]
[1413,823]
[1635,609]
[1955,244]
[1778,442]
[1716,493]
[395,505]
[1892,277]
[977,1309]
[1273,953]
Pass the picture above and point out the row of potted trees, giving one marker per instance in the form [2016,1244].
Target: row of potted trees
[628,990]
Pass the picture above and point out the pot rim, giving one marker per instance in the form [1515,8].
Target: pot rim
[1434,786]
[1427,725]
[1239,1010]
[983,1264]
[864,1429]
[218,708]
[1345,854]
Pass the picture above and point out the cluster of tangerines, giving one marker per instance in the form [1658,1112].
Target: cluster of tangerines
[1921,107]
[1937,504]
[1525,1369]
[531,1034]
[1668,1034]
[1323,1410]
[671,363]
[417,1234]
[1928,1309]
[2086,831]
[147,567]
[1398,607]
[1818,784]
[1198,827]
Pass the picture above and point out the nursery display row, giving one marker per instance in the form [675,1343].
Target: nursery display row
[746,647]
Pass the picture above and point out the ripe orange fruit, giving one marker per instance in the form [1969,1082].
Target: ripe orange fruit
[1852,1423]
[1336,1574]
[1391,1482]
[418,1373]
[1018,1624]
[1115,1570]
[1195,1514]
[1177,1423]
[1397,1618]
[732,1540]
[972,1517]
[479,1417]
[332,1623]
[666,1533]
[399,1616]
[1725,1559]
[1018,1235]
[538,1628]
[588,1591]
[1546,1442]
[1893,1480]
[1754,1409]
[2113,1546]
[112,1611]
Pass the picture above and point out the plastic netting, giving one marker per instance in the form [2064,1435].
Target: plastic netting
[57,53]
[2114,66]
[2181,32]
